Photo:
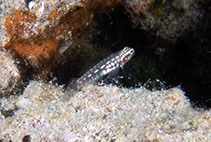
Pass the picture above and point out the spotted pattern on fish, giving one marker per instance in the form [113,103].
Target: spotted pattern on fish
[104,67]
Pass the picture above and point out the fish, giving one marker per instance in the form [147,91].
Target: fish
[108,65]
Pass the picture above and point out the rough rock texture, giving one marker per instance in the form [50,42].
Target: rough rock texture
[9,73]
[35,29]
[108,114]
[168,19]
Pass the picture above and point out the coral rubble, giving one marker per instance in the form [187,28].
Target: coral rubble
[35,29]
[48,113]
[9,74]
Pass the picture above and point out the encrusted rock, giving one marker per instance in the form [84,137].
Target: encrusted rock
[168,19]
[35,29]
[48,113]
[9,73]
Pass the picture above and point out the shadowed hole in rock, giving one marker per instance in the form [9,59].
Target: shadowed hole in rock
[184,62]
[26,138]
[8,113]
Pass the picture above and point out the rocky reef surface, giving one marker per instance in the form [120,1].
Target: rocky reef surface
[168,19]
[34,30]
[48,113]
[9,73]
[38,35]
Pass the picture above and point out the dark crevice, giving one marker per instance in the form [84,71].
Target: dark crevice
[26,138]
[185,62]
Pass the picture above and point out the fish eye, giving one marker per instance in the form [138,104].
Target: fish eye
[131,51]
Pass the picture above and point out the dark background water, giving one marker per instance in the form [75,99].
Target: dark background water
[185,62]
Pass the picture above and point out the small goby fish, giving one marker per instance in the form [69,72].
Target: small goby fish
[104,67]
